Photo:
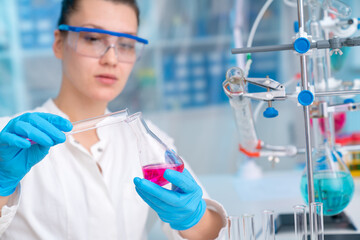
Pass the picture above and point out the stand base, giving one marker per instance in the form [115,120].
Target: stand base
[285,223]
[341,237]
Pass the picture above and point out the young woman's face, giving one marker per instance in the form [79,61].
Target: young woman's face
[97,79]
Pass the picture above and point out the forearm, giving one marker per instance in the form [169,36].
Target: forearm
[207,228]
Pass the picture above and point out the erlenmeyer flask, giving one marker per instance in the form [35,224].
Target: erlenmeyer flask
[333,184]
[155,156]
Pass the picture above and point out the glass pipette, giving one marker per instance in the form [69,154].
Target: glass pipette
[99,121]
[96,122]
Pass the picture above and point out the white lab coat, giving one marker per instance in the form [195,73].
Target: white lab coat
[66,197]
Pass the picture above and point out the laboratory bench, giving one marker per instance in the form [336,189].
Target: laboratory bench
[277,191]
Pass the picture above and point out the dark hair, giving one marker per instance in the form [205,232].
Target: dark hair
[68,7]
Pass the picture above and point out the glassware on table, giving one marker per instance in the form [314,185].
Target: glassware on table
[234,226]
[268,225]
[248,227]
[317,220]
[333,183]
[155,156]
[300,222]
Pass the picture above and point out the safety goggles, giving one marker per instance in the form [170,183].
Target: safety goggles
[93,42]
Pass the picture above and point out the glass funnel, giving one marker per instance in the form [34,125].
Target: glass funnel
[155,156]
[333,184]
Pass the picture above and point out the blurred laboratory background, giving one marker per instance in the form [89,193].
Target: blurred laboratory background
[178,82]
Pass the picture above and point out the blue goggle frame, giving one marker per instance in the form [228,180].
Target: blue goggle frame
[65,27]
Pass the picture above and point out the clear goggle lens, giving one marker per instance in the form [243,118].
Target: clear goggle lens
[96,45]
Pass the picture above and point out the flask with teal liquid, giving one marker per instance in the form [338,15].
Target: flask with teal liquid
[333,183]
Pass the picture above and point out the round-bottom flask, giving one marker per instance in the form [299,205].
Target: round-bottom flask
[333,183]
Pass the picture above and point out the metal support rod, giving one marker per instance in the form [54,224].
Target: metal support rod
[333,93]
[309,165]
[334,43]
[270,48]
[300,8]
[304,83]
[327,52]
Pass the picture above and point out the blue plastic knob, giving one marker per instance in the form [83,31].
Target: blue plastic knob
[349,100]
[270,112]
[296,26]
[306,97]
[302,45]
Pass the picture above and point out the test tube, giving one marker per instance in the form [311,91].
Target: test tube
[248,227]
[268,225]
[300,222]
[99,121]
[233,228]
[317,221]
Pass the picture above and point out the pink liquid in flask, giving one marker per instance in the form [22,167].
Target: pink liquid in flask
[154,172]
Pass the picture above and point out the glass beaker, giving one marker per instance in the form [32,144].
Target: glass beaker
[333,183]
[155,156]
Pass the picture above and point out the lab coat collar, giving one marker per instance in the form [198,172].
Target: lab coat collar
[52,108]
[97,148]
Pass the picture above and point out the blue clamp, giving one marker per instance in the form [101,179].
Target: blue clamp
[306,97]
[296,26]
[349,100]
[358,23]
[302,45]
[270,112]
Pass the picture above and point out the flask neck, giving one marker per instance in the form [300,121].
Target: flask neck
[326,157]
[137,124]
[141,130]
[329,131]
[324,132]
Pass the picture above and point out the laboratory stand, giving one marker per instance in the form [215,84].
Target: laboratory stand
[327,186]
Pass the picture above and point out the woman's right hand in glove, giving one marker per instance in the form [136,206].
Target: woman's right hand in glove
[18,155]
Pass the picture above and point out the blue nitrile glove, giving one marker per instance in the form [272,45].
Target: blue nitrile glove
[17,155]
[181,208]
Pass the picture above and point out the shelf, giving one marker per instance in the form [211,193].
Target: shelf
[38,52]
[29,53]
[4,55]
[205,41]
[194,42]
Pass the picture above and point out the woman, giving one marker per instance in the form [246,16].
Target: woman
[84,188]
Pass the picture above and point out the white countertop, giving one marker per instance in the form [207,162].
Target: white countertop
[277,191]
